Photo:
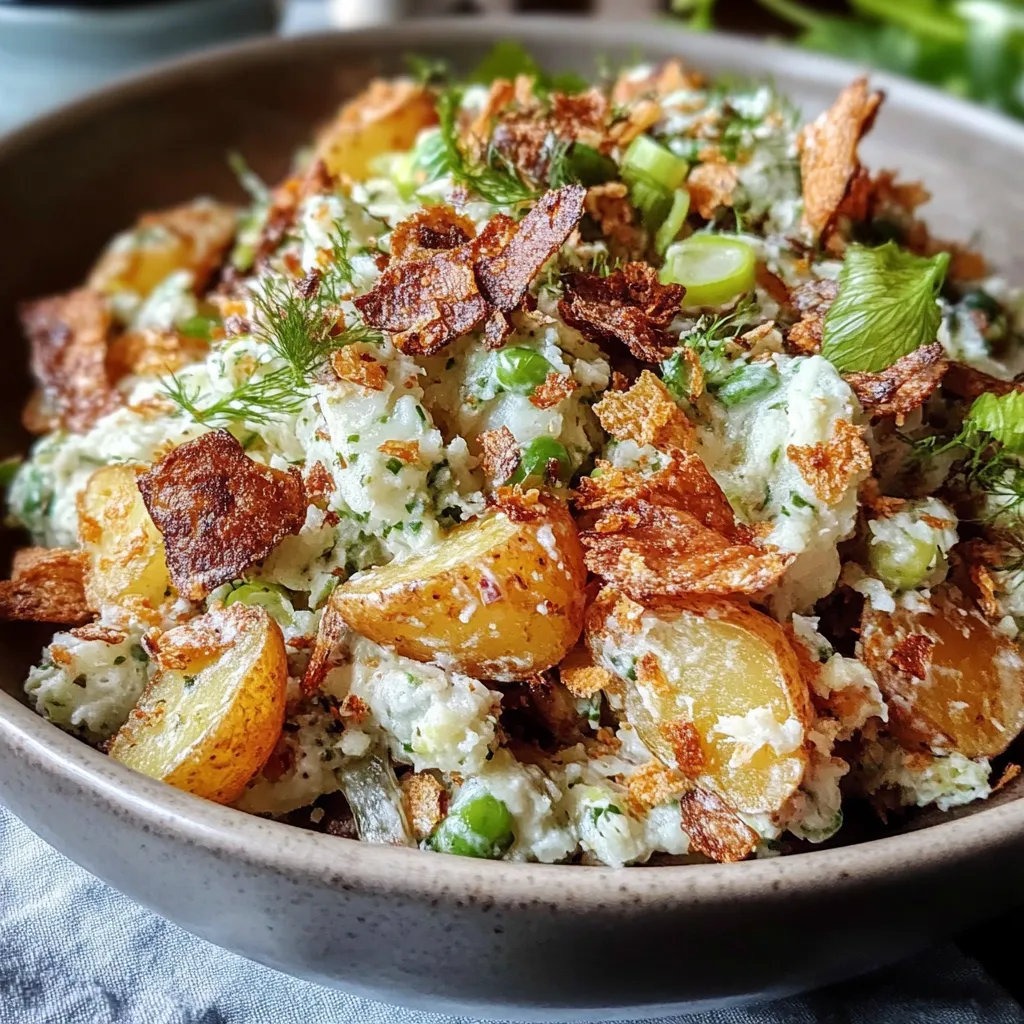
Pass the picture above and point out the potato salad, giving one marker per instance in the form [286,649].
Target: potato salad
[599,472]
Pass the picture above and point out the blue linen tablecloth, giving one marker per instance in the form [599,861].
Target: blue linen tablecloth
[74,951]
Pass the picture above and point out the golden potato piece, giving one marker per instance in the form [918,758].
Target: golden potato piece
[385,118]
[213,713]
[500,598]
[46,585]
[193,237]
[125,549]
[951,680]
[714,689]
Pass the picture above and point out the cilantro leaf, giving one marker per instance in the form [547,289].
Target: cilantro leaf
[1001,416]
[886,307]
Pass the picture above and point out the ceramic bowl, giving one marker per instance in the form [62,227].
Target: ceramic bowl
[447,933]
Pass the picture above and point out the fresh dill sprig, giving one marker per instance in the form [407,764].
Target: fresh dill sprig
[257,400]
[495,181]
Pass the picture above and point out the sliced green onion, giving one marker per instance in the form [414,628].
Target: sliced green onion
[480,827]
[648,159]
[748,382]
[673,223]
[535,459]
[653,202]
[521,370]
[713,268]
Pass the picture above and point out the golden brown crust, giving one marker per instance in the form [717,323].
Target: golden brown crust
[555,388]
[687,747]
[828,152]
[47,585]
[218,510]
[829,467]
[580,676]
[499,454]
[651,785]
[430,230]
[812,300]
[149,353]
[901,388]
[646,414]
[426,802]
[358,365]
[629,306]
[714,829]
[326,650]
[68,335]
[612,211]
[711,186]
[966,382]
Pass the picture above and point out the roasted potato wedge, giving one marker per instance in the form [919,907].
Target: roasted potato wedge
[193,237]
[714,689]
[952,681]
[125,549]
[213,713]
[385,118]
[500,598]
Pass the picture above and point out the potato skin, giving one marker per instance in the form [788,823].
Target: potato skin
[501,598]
[952,681]
[211,736]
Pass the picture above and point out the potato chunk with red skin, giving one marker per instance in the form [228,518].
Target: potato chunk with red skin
[213,713]
[952,681]
[500,598]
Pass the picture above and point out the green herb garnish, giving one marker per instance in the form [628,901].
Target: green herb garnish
[886,307]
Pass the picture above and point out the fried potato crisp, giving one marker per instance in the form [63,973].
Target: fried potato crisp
[425,801]
[581,677]
[609,206]
[811,301]
[899,389]
[68,335]
[654,551]
[499,454]
[828,152]
[829,467]
[326,651]
[714,828]
[711,186]
[149,353]
[646,414]
[630,306]
[428,230]
[428,302]
[47,585]
[966,382]
[555,388]
[218,510]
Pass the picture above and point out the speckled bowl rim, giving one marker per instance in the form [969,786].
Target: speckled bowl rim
[412,874]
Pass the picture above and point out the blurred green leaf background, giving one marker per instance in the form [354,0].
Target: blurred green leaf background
[972,48]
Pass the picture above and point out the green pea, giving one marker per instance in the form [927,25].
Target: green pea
[270,596]
[903,566]
[199,326]
[480,827]
[521,370]
[536,459]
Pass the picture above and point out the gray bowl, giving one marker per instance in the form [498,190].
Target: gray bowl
[447,933]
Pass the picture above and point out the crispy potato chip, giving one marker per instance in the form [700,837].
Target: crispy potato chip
[426,802]
[284,207]
[47,585]
[358,365]
[610,207]
[218,510]
[655,551]
[581,677]
[899,389]
[646,414]
[830,467]
[828,152]
[149,353]
[629,306]
[912,655]
[973,564]
[327,650]
[429,230]
[68,335]
[711,186]
[687,747]
[555,388]
[714,828]
[653,784]
[966,382]
[812,301]
[407,452]
[504,277]
[500,454]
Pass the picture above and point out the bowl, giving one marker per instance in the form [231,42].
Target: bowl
[452,934]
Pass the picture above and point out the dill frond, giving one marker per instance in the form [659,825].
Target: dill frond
[257,400]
